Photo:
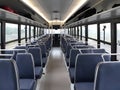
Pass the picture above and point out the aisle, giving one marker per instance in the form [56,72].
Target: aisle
[56,77]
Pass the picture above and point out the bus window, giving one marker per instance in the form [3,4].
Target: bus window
[0,35]
[92,34]
[23,34]
[83,33]
[76,31]
[105,32]
[105,36]
[92,31]
[28,33]
[22,31]
[118,40]
[11,32]
[11,35]
[107,47]
[79,31]
[92,42]
[36,32]
[32,30]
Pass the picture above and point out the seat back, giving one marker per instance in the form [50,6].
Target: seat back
[25,65]
[85,67]
[72,59]
[107,76]
[8,75]
[82,46]
[6,53]
[79,43]
[99,51]
[36,52]
[43,50]
[20,47]
[16,51]
[86,51]
[68,50]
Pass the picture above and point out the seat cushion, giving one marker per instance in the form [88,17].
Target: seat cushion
[72,74]
[38,72]
[27,84]
[84,86]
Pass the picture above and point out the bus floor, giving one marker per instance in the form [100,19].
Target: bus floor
[56,75]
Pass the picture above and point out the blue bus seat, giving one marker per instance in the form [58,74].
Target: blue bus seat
[68,54]
[36,53]
[85,70]
[26,70]
[107,76]
[72,60]
[21,47]
[9,79]
[44,54]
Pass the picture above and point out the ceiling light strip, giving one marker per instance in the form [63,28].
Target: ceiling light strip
[36,9]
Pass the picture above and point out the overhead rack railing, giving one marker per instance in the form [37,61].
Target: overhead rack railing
[106,16]
[15,18]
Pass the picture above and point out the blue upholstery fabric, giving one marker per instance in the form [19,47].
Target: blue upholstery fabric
[20,47]
[43,50]
[68,51]
[107,58]
[44,61]
[9,52]
[80,43]
[108,76]
[8,75]
[87,51]
[99,51]
[85,67]
[84,86]
[48,43]
[38,72]
[3,56]
[72,74]
[27,84]
[25,65]
[18,51]
[36,52]
[73,54]
[68,54]
[82,46]
[67,61]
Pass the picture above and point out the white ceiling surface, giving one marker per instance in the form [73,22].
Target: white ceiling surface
[55,10]
[49,6]
[63,8]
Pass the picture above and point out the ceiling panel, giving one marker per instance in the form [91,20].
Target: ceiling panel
[50,6]
[49,10]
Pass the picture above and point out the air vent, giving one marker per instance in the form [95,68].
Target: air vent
[55,15]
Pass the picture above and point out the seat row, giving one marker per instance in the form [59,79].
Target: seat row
[84,65]
[22,66]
